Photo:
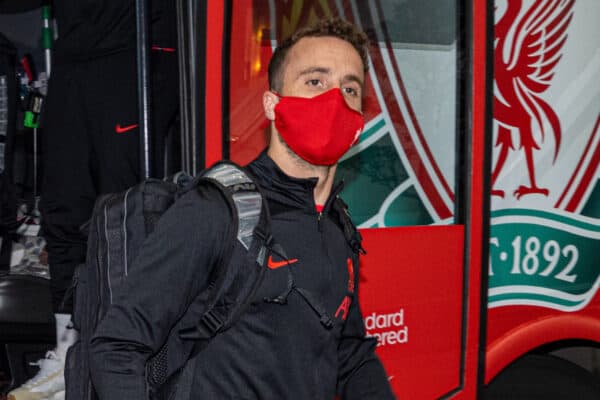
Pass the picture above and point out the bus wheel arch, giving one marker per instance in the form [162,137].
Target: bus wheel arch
[543,376]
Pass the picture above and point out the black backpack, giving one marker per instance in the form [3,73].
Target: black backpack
[119,224]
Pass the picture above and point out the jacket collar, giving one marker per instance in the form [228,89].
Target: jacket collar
[285,189]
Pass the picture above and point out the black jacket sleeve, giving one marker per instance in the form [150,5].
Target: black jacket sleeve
[361,374]
[173,266]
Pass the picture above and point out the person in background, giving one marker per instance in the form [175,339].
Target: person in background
[90,140]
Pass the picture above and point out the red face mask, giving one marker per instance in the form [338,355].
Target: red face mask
[319,129]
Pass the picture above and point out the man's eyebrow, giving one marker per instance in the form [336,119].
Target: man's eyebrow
[353,78]
[324,70]
[312,70]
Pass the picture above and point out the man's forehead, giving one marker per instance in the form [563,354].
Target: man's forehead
[318,52]
[326,44]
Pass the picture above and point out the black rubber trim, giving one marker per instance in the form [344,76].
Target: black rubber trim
[486,202]
[463,161]
[200,18]
[225,71]
[463,109]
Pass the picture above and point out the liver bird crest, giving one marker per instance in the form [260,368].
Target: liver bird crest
[527,48]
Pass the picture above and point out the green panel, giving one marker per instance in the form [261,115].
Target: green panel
[592,207]
[407,209]
[370,176]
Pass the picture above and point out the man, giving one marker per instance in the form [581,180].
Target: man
[277,349]
[90,141]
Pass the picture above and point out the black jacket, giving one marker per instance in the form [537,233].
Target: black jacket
[94,28]
[275,351]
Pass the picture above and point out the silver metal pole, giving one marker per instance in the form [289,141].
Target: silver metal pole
[143,78]
[193,73]
[184,84]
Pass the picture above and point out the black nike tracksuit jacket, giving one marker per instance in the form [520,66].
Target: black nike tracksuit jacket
[274,351]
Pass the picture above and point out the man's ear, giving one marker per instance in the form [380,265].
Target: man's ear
[270,99]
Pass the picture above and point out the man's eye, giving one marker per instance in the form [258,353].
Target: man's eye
[351,91]
[314,82]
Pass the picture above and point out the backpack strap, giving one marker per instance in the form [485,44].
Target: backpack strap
[233,286]
[248,201]
[351,233]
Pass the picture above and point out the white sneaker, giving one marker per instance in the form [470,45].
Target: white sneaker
[49,381]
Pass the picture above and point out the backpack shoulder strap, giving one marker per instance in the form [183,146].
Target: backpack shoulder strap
[241,269]
[241,191]
[351,233]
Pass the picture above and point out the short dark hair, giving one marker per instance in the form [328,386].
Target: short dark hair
[335,27]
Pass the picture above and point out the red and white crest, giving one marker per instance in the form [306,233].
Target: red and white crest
[543,100]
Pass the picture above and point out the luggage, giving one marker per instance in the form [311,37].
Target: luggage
[119,224]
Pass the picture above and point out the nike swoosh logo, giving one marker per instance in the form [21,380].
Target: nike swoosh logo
[278,264]
[123,129]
